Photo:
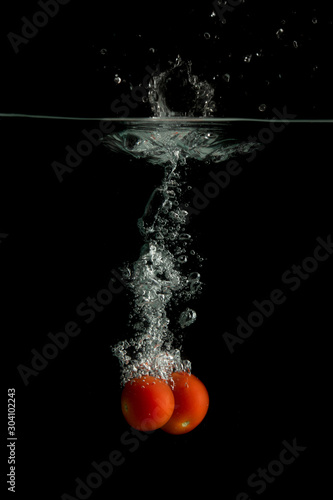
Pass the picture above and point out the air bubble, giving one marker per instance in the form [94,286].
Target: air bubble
[184,236]
[187,317]
[195,286]
[166,206]
[280,33]
[117,79]
[207,36]
[182,259]
[262,107]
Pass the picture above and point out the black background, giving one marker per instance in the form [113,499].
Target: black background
[65,238]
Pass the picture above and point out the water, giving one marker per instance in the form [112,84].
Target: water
[175,141]
[177,92]
[165,280]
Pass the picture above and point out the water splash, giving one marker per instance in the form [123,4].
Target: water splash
[165,277]
[178,95]
[178,141]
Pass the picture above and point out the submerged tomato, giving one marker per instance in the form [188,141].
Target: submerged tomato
[147,403]
[191,404]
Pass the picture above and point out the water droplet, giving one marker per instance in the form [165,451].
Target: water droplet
[262,107]
[117,79]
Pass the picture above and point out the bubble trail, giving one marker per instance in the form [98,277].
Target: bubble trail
[157,280]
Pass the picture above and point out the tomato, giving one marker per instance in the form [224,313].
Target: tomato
[191,404]
[147,403]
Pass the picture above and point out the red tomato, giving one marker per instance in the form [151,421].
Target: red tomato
[191,404]
[147,403]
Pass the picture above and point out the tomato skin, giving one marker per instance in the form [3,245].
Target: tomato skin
[191,404]
[147,403]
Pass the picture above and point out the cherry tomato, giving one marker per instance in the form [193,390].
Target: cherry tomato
[147,403]
[191,403]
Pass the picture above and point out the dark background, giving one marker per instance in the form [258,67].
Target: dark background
[65,238]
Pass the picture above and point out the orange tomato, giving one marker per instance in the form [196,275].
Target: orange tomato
[191,404]
[147,403]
